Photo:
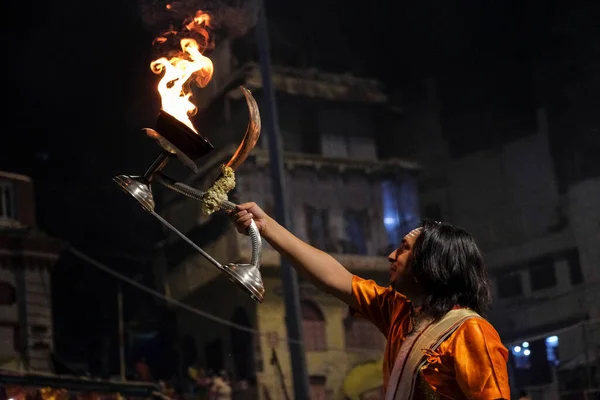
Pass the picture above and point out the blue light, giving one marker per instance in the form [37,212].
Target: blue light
[552,349]
[552,340]
[525,345]
[521,357]
[390,221]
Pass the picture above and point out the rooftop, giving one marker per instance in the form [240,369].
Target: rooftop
[313,83]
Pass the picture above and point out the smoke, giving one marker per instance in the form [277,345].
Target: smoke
[229,18]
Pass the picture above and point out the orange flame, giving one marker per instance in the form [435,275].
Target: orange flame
[173,87]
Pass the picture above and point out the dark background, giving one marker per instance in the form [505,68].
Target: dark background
[78,89]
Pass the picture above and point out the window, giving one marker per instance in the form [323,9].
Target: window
[39,345]
[7,340]
[542,274]
[8,294]
[39,333]
[310,134]
[334,145]
[509,285]
[213,353]
[317,227]
[10,336]
[242,352]
[400,208]
[313,326]
[552,350]
[522,353]
[575,273]
[361,334]
[356,227]
[7,207]
[317,388]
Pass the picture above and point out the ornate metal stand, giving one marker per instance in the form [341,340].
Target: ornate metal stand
[179,141]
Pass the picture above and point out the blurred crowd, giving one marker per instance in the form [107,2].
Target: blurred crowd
[210,385]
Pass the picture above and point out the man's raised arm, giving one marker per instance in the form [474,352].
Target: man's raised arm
[320,268]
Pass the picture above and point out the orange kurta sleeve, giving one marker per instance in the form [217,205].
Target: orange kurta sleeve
[378,304]
[388,310]
[480,360]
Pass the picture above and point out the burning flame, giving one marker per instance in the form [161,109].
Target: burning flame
[174,87]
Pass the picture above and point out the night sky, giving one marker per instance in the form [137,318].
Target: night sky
[78,89]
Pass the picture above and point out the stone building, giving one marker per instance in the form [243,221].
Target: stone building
[26,258]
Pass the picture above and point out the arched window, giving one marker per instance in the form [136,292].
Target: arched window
[189,350]
[313,326]
[362,334]
[318,390]
[241,346]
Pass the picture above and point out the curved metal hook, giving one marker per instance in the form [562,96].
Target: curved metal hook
[252,132]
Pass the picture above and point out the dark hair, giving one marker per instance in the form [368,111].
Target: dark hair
[448,264]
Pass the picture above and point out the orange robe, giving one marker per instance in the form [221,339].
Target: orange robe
[470,364]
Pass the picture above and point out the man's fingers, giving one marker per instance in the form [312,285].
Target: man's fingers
[240,214]
[247,224]
[245,206]
[242,227]
[242,217]
[245,218]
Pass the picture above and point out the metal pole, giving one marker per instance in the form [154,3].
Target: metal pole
[21,286]
[288,274]
[121,331]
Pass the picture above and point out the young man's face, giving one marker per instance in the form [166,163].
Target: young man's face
[401,278]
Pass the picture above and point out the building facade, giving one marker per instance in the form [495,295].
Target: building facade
[26,258]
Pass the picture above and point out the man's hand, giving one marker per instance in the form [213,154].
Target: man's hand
[244,214]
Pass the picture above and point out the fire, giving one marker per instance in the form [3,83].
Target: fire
[174,86]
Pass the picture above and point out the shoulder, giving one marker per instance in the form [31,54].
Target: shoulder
[370,288]
[476,334]
[479,360]
[478,327]
[377,303]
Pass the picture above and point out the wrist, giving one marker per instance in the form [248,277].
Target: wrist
[267,231]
